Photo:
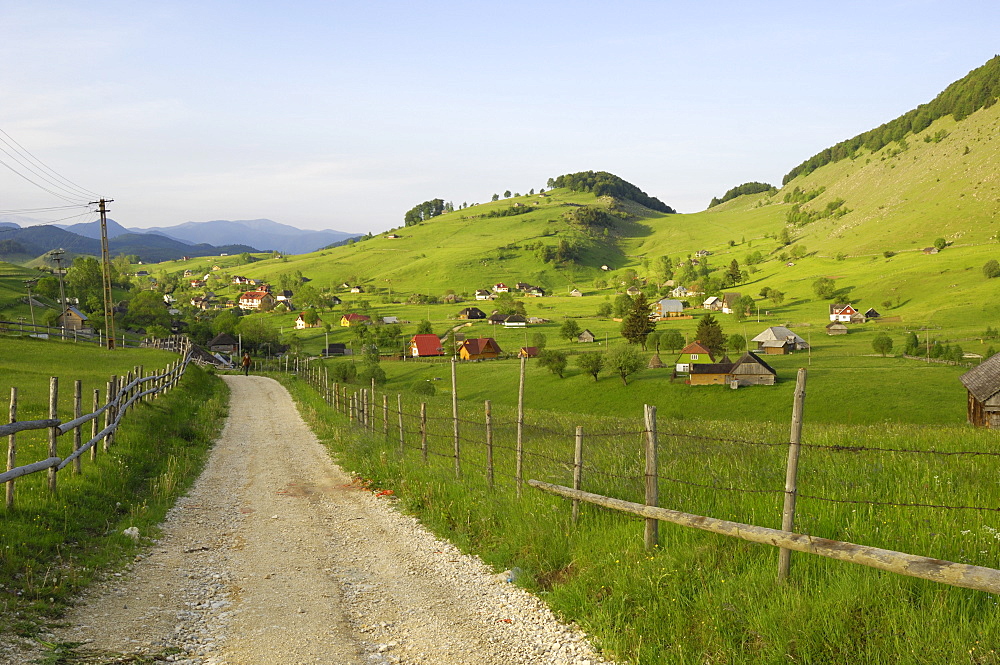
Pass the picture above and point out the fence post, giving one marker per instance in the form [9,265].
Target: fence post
[11,448]
[77,412]
[399,409]
[351,416]
[93,424]
[652,535]
[111,414]
[791,472]
[577,471]
[519,471]
[454,415]
[385,414]
[336,396]
[423,430]
[489,443]
[53,431]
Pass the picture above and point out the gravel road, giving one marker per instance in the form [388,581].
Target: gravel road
[277,556]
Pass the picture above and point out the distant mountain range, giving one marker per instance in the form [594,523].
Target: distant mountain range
[23,239]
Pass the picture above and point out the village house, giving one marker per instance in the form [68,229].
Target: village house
[729,301]
[471,313]
[300,322]
[522,286]
[694,353]
[633,291]
[240,279]
[224,343]
[351,319]
[749,370]
[535,292]
[983,385]
[483,348]
[483,294]
[496,318]
[73,319]
[872,313]
[713,303]
[390,319]
[500,287]
[425,345]
[666,308]
[197,283]
[845,313]
[779,340]
[515,321]
[357,289]
[260,300]
[576,293]
[284,296]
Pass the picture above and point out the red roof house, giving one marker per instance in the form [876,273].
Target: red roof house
[425,345]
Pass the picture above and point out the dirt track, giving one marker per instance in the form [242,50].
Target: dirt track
[276,556]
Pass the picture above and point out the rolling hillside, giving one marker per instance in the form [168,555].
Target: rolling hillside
[885,206]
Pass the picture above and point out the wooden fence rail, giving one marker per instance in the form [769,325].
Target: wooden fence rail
[121,397]
[946,572]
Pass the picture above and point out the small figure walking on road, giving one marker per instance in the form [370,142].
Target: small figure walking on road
[245,363]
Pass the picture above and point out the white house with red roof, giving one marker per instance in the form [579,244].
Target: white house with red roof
[842,313]
[424,345]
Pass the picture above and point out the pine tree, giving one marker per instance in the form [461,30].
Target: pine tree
[710,334]
[636,324]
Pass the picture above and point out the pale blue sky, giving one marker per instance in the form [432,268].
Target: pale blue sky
[345,114]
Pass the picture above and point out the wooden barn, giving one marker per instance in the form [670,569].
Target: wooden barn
[750,370]
[74,319]
[983,384]
[836,328]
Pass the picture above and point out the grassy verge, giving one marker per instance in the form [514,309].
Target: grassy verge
[704,598]
[53,546]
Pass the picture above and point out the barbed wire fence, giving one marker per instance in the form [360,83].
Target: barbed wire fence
[621,460]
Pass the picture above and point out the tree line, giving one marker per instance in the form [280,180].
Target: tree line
[740,190]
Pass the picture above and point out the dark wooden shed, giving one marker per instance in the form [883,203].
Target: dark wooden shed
[983,384]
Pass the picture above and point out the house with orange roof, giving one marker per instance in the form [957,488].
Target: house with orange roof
[483,348]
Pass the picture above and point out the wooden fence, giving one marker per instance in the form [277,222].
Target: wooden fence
[122,394]
[358,405]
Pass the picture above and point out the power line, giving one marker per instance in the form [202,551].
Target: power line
[22,211]
[67,184]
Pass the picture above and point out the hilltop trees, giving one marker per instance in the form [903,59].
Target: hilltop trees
[424,211]
[740,190]
[602,183]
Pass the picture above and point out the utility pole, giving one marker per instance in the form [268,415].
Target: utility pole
[109,314]
[28,283]
[57,256]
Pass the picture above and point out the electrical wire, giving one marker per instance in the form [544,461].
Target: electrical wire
[45,173]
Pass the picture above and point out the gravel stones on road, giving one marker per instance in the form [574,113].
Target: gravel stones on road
[276,556]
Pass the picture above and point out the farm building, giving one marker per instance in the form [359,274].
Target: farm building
[337,349]
[483,348]
[515,321]
[585,336]
[836,328]
[483,294]
[713,303]
[425,345]
[470,313]
[73,319]
[528,352]
[872,313]
[694,353]
[983,384]
[749,370]
[496,318]
[576,293]
[633,291]
[779,340]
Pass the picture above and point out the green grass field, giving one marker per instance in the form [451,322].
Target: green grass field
[700,597]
